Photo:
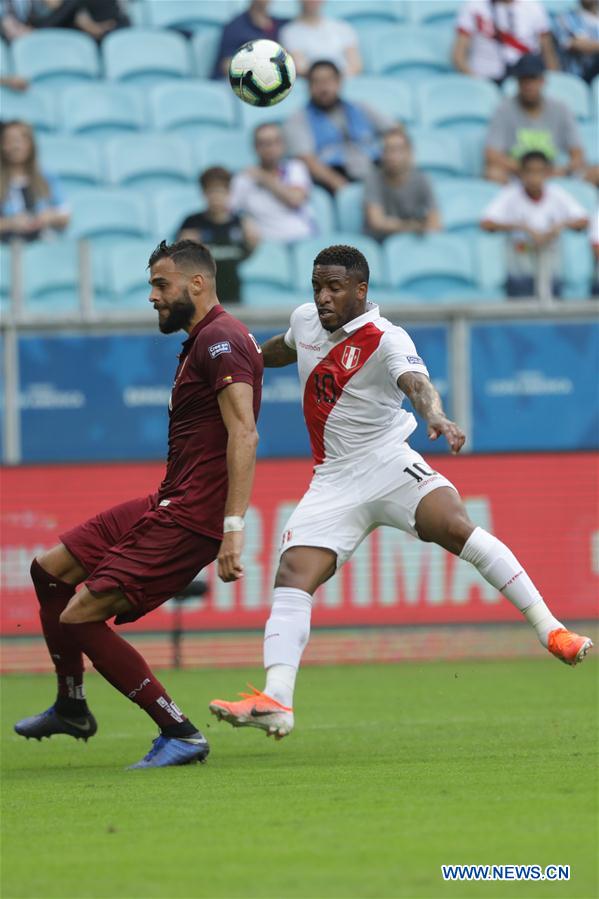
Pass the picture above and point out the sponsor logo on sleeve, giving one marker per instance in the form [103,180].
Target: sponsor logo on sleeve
[218,348]
[414,360]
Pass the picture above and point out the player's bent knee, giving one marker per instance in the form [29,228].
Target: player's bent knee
[59,563]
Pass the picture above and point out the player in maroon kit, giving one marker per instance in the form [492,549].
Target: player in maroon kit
[137,555]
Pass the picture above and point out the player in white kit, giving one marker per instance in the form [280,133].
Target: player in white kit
[355,368]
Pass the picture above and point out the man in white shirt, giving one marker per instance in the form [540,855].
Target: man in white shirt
[313,36]
[534,213]
[492,35]
[274,194]
[355,368]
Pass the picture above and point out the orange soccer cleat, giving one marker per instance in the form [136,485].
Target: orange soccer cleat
[256,709]
[567,646]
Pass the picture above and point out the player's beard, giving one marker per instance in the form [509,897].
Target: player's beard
[180,314]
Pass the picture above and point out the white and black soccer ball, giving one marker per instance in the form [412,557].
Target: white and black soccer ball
[262,73]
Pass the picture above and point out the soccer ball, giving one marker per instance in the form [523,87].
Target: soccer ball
[262,73]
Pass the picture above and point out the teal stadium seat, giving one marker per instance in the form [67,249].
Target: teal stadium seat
[437,152]
[576,265]
[50,277]
[304,252]
[204,49]
[457,101]
[56,57]
[589,132]
[266,278]
[186,107]
[33,106]
[105,214]
[410,52]
[5,59]
[232,149]
[434,12]
[582,191]
[127,275]
[490,260]
[77,160]
[103,110]
[5,279]
[170,207]
[349,204]
[390,97]
[149,161]
[435,268]
[323,210]
[568,88]
[472,142]
[461,202]
[145,56]
[186,16]
[360,13]
[595,96]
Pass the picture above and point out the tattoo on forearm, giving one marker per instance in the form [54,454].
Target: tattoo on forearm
[422,394]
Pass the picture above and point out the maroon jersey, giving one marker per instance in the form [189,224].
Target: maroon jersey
[218,352]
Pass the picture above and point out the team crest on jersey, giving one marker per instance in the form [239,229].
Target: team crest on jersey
[351,357]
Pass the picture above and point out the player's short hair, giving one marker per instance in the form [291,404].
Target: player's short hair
[534,156]
[323,62]
[348,257]
[189,253]
[216,174]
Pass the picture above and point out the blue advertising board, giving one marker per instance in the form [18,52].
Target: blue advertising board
[534,386]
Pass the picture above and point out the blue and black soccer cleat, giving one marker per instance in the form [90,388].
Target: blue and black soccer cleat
[48,723]
[167,751]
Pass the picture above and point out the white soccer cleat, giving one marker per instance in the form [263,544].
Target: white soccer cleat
[256,709]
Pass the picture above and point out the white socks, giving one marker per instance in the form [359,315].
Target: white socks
[285,637]
[499,566]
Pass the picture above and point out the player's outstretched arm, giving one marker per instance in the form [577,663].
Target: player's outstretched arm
[277,353]
[237,410]
[427,403]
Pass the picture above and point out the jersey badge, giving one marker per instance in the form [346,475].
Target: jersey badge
[414,360]
[351,357]
[217,348]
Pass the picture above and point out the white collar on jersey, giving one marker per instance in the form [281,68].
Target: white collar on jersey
[371,315]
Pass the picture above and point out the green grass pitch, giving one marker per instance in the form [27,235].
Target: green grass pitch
[392,771]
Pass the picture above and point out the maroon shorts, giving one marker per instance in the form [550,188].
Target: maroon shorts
[140,550]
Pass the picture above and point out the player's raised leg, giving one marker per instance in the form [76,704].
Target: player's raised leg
[301,571]
[442,518]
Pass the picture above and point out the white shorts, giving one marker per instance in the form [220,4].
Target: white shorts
[343,506]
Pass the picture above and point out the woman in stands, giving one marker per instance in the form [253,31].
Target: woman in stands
[32,204]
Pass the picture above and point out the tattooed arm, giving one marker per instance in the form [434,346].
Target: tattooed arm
[277,353]
[427,403]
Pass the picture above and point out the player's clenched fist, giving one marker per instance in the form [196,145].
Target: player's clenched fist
[229,557]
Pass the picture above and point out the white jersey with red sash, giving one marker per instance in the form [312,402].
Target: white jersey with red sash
[351,400]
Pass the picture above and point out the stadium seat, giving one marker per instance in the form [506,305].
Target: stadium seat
[349,205]
[582,191]
[33,106]
[323,209]
[576,265]
[105,214]
[410,52]
[5,278]
[434,12]
[490,261]
[366,12]
[186,107]
[589,132]
[456,101]
[102,110]
[77,160]
[127,275]
[251,116]
[204,48]
[472,142]
[437,152]
[5,59]
[436,268]
[50,277]
[388,96]
[461,202]
[266,277]
[570,89]
[232,149]
[595,96]
[170,207]
[304,252]
[145,56]
[186,16]
[149,161]
[56,57]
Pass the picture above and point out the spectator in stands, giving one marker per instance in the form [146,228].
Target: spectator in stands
[534,213]
[577,36]
[492,35]
[532,121]
[594,237]
[229,237]
[313,36]
[398,199]
[336,139]
[31,201]
[250,25]
[16,18]
[14,82]
[94,17]
[274,194]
